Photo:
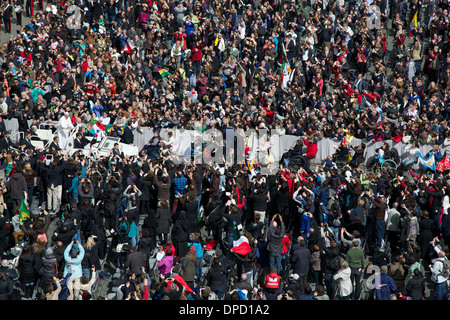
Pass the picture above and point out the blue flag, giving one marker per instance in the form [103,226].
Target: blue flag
[429,163]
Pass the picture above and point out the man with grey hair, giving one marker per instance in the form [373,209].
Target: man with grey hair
[393,225]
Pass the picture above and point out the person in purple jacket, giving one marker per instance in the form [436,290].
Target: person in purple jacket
[166,263]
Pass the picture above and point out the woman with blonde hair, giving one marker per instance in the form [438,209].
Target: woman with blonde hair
[38,249]
[90,259]
[343,279]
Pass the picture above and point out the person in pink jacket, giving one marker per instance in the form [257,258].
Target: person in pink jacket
[166,263]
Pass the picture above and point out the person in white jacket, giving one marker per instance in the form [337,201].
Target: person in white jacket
[343,279]
[85,287]
[220,46]
[64,127]
[438,276]
[411,157]
[176,52]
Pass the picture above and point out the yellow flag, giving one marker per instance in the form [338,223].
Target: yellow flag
[414,20]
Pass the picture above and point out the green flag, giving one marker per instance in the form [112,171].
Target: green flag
[24,213]
[163,72]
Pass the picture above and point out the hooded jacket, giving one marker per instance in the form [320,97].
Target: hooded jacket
[165,265]
[17,185]
[49,267]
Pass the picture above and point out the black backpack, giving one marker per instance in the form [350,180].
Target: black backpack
[380,258]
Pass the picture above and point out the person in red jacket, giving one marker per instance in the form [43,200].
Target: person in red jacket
[311,150]
[197,55]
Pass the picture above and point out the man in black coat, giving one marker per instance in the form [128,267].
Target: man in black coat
[291,51]
[54,144]
[145,185]
[6,143]
[26,142]
[274,244]
[54,178]
[6,287]
[300,255]
[190,206]
[7,13]
[127,135]
[80,141]
[233,218]
[3,235]
[135,261]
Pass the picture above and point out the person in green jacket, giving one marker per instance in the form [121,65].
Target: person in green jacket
[355,260]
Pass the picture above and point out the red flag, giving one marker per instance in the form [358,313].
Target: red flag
[443,165]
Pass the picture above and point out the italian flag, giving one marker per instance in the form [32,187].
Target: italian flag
[163,72]
[286,74]
[241,244]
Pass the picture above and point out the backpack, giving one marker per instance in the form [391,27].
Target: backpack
[381,258]
[272,281]
[445,269]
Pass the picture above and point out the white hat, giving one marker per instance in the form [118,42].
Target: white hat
[295,276]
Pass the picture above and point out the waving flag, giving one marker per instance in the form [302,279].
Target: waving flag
[99,129]
[163,72]
[242,294]
[443,165]
[241,244]
[413,24]
[286,75]
[414,20]
[128,46]
[429,163]
[24,213]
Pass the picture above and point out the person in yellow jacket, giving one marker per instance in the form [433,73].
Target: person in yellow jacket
[249,164]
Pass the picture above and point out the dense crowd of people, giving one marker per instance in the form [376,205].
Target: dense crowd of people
[313,69]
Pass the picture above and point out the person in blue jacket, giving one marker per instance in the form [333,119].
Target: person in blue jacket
[195,241]
[76,182]
[73,258]
[305,224]
[384,285]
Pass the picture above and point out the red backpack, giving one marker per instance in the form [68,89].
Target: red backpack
[273,281]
